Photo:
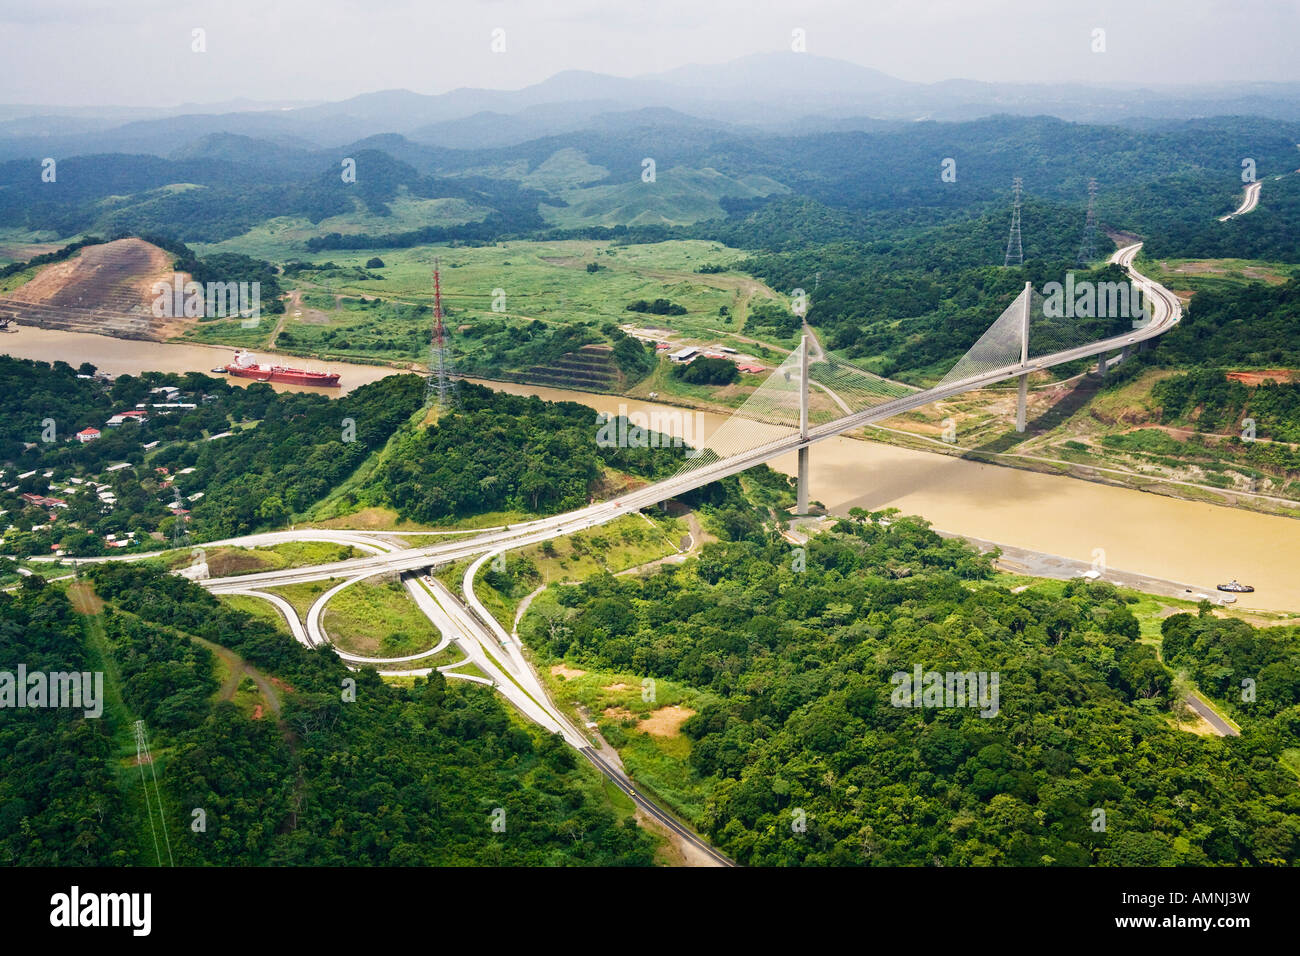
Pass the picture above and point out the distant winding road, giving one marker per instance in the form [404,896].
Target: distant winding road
[1248,202]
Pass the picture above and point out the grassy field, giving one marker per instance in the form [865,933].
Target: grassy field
[627,542]
[301,596]
[283,238]
[490,293]
[645,732]
[677,196]
[9,283]
[378,618]
[227,562]
[1291,760]
[258,608]
[1183,275]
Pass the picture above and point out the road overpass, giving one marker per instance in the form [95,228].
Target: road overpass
[499,657]
[1165,312]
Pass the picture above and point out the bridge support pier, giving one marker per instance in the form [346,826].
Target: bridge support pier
[801,503]
[1023,383]
[1021,400]
[802,506]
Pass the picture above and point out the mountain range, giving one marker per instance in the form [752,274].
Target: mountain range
[769,92]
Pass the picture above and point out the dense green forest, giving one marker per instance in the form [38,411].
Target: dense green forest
[1268,233]
[505,452]
[1253,325]
[59,798]
[1256,672]
[396,777]
[797,720]
[850,176]
[1216,404]
[707,371]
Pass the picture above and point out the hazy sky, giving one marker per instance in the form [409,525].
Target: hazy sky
[138,52]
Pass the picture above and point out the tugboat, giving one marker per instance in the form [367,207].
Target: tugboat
[1236,588]
[246,365]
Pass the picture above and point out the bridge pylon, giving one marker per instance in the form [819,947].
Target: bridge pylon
[1023,380]
[802,499]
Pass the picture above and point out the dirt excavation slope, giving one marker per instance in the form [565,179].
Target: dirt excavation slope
[105,289]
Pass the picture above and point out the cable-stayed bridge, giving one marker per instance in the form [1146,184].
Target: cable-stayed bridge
[806,400]
[809,398]
[801,403]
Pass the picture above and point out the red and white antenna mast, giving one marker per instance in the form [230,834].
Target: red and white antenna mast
[439,390]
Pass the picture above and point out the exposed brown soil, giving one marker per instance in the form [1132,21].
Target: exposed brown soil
[666,721]
[1279,375]
[105,288]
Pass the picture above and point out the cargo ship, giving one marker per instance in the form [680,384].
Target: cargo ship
[246,365]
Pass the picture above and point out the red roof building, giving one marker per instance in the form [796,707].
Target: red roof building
[42,502]
[87,434]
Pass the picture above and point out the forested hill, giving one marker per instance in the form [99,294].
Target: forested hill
[407,777]
[791,673]
[215,193]
[497,452]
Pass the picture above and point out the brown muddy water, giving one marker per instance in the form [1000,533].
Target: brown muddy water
[1197,543]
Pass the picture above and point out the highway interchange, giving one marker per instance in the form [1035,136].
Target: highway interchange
[497,654]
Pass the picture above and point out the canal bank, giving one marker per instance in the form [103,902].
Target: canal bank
[1078,522]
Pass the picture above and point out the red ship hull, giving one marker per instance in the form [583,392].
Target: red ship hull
[288,376]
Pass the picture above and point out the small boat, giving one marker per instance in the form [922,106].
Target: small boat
[219,370]
[1236,588]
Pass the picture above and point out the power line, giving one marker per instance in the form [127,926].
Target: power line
[180,527]
[1015,253]
[438,392]
[143,756]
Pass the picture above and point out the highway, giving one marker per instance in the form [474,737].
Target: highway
[1207,713]
[1166,312]
[1248,202]
[482,638]
[624,783]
